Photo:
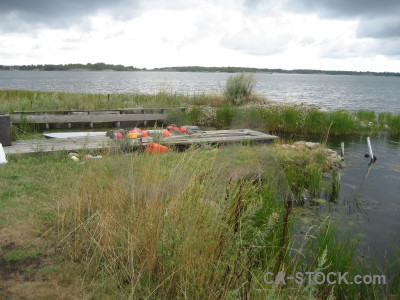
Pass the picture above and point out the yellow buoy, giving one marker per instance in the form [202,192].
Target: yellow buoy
[132,135]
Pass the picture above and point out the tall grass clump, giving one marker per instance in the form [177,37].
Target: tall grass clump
[366,115]
[173,226]
[182,225]
[191,116]
[394,123]
[343,123]
[239,88]
[224,116]
[323,251]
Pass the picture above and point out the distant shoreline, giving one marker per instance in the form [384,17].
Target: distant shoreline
[109,67]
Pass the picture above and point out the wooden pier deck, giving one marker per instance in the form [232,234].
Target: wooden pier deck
[100,142]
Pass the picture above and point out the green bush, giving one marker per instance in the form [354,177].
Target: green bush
[224,116]
[239,88]
[177,117]
[194,115]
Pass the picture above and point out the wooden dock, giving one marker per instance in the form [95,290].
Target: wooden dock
[100,142]
[91,117]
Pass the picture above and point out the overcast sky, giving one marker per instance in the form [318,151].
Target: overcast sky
[359,35]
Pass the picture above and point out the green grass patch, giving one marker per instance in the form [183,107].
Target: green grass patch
[15,256]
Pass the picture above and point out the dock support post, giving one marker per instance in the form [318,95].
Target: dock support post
[91,124]
[118,124]
[69,125]
[342,149]
[47,126]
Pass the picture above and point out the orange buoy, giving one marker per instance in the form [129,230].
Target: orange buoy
[144,133]
[183,129]
[172,127]
[165,133]
[118,135]
[154,148]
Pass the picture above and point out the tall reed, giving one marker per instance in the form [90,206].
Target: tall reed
[198,224]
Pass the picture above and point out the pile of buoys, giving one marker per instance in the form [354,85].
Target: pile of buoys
[152,148]
[172,127]
[135,133]
[175,130]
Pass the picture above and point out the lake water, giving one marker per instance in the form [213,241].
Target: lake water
[330,91]
[369,200]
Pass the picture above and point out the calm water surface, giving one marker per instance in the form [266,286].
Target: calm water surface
[332,92]
[369,201]
[368,206]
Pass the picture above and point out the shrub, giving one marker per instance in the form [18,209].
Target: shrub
[194,115]
[224,116]
[177,117]
[239,88]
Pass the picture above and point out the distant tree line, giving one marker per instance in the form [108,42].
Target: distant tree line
[266,70]
[69,67]
[103,67]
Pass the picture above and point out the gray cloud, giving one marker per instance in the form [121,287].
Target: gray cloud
[345,8]
[25,15]
[388,27]
[377,19]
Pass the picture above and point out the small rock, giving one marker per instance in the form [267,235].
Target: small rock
[312,145]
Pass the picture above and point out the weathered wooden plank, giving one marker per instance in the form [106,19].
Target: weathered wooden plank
[92,118]
[126,117]
[99,111]
[206,137]
[98,142]
[50,145]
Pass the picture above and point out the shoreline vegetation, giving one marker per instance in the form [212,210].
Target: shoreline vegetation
[111,67]
[214,110]
[207,223]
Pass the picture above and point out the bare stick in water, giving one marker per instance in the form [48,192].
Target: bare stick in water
[371,155]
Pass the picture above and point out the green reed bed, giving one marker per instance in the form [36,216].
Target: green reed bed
[296,120]
[302,121]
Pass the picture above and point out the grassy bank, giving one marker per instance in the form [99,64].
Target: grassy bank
[14,100]
[215,110]
[199,224]
[293,119]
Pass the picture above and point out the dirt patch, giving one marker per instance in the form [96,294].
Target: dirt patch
[35,277]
